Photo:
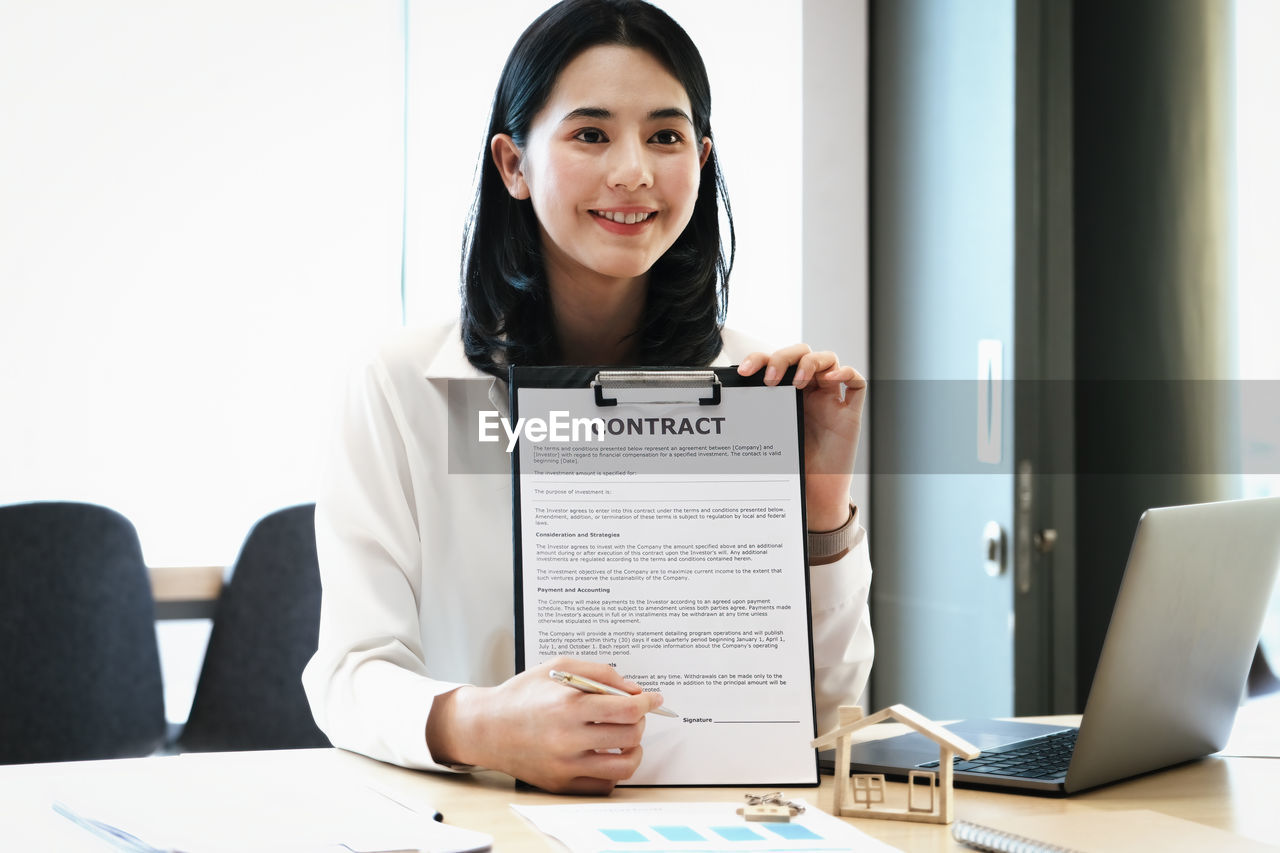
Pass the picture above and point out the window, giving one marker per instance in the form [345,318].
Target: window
[1258,260]
[200,225]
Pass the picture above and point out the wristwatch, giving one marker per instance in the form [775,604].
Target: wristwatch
[831,545]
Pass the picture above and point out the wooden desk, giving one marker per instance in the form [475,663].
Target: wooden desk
[186,592]
[1236,794]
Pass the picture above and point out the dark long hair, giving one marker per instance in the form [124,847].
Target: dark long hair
[506,310]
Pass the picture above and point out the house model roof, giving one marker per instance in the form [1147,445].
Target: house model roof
[908,717]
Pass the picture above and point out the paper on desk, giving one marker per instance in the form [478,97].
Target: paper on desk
[212,812]
[646,827]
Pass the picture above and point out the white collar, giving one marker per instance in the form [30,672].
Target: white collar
[450,361]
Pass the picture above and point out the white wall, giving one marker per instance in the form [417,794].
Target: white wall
[199,215]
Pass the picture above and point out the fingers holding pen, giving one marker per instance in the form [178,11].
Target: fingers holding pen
[591,686]
[599,740]
[601,672]
[547,734]
[601,771]
[578,693]
[582,755]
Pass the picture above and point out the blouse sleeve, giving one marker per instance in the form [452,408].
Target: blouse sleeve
[367,683]
[843,648]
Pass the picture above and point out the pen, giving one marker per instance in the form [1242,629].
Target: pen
[113,835]
[587,685]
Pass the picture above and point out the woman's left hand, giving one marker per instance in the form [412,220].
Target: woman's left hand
[833,397]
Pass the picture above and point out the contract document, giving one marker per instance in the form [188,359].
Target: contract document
[659,528]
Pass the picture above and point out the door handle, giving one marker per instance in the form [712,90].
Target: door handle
[1043,541]
[1022,528]
[994,549]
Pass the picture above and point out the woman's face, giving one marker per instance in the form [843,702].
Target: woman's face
[610,163]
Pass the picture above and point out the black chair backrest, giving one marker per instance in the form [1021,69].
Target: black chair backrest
[265,628]
[1262,677]
[79,666]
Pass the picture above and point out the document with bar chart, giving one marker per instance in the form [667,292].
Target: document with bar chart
[692,828]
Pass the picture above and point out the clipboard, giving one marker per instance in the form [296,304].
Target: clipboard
[659,526]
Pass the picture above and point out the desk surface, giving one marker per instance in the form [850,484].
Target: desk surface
[186,583]
[1234,793]
[186,592]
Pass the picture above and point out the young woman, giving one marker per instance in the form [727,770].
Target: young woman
[594,240]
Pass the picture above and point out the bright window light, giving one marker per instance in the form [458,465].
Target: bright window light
[1258,257]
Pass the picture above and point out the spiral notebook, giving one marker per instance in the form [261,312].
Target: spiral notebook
[981,837]
[1101,831]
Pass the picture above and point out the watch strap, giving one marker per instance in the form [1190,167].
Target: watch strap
[829,546]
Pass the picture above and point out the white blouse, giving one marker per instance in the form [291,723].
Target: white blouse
[416,560]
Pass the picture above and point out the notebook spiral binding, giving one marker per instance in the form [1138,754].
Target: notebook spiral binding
[981,837]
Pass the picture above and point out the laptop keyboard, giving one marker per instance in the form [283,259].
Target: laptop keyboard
[1045,757]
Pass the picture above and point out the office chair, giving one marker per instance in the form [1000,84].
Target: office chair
[79,666]
[1262,680]
[265,628]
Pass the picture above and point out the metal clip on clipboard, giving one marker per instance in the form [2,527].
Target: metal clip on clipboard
[616,380]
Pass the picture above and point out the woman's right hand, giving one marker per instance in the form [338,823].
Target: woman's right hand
[543,733]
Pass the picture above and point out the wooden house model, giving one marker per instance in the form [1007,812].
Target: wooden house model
[863,794]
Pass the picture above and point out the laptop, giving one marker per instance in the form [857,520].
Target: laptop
[1172,671]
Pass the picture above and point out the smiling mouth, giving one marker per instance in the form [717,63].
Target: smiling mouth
[624,218]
